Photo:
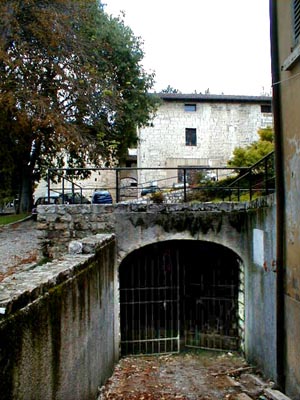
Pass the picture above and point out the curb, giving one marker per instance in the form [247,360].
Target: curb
[15,222]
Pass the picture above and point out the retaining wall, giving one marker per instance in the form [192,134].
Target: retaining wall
[57,322]
[248,229]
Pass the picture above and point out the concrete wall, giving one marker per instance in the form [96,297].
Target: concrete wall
[287,132]
[57,325]
[248,229]
[260,290]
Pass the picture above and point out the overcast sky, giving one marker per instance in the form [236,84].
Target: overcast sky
[195,45]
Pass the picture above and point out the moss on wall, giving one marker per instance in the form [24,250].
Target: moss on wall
[181,221]
[56,347]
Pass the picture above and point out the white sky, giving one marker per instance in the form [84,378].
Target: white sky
[193,45]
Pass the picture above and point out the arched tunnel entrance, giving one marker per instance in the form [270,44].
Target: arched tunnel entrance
[178,294]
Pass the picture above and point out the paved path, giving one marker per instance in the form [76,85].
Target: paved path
[18,247]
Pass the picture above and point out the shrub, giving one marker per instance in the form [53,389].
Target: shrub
[157,197]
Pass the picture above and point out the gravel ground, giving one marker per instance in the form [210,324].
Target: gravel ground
[18,247]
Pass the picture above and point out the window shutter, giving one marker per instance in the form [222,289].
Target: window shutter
[296,20]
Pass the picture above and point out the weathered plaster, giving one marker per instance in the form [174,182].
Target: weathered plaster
[57,326]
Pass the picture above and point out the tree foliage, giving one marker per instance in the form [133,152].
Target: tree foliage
[170,89]
[249,155]
[72,89]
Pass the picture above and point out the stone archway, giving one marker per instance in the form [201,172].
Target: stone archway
[180,293]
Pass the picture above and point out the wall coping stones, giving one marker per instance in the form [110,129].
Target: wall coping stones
[24,287]
[225,206]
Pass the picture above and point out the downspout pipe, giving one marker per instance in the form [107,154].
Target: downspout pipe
[280,199]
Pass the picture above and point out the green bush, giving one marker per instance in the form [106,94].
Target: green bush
[157,197]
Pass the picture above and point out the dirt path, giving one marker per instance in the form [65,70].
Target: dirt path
[189,376]
[18,247]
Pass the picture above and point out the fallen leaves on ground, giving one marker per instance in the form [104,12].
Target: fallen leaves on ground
[203,375]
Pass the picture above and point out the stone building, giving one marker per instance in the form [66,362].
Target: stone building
[187,130]
[199,130]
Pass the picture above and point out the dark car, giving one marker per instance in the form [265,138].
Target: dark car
[75,198]
[102,197]
[44,201]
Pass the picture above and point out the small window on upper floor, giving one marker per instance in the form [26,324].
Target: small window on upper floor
[190,107]
[266,108]
[296,21]
[191,137]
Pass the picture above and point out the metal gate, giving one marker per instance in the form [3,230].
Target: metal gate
[174,292]
[149,302]
[211,308]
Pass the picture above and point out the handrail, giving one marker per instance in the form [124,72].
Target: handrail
[249,173]
[185,182]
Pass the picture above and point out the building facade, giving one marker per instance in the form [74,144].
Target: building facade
[285,34]
[199,130]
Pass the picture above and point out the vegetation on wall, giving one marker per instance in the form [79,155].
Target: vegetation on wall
[170,89]
[72,89]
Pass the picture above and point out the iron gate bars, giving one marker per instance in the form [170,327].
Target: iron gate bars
[149,304]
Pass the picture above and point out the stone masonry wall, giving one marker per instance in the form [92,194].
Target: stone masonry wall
[59,224]
[220,128]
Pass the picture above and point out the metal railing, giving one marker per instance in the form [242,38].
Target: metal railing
[179,184]
[259,179]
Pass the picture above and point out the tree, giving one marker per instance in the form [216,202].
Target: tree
[170,89]
[249,155]
[72,89]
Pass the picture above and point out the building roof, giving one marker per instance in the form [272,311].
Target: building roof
[220,98]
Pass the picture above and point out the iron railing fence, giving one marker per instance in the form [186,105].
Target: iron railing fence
[169,184]
[259,180]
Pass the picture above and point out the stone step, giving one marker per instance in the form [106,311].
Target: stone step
[276,394]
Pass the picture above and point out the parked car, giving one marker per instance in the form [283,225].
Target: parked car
[102,197]
[75,198]
[10,207]
[44,201]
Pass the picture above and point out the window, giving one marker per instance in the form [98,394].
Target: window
[294,56]
[296,20]
[190,107]
[190,137]
[266,108]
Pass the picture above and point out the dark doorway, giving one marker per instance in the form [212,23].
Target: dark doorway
[178,294]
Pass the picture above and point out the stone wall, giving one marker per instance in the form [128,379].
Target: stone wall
[221,127]
[57,326]
[59,224]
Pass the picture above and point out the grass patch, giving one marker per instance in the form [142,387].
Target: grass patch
[8,219]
